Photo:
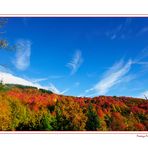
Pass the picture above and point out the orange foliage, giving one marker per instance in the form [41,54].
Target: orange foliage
[26,106]
[5,114]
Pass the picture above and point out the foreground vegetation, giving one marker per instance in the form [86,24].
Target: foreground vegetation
[30,109]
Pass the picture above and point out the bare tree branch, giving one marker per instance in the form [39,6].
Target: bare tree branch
[145,97]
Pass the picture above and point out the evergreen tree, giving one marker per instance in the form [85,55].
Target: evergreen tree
[93,122]
[1,85]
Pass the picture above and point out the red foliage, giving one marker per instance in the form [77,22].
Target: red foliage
[100,113]
[35,99]
[139,126]
[118,109]
[136,109]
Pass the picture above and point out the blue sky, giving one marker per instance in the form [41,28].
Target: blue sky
[79,56]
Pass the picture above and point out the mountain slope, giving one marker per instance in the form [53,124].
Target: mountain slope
[29,108]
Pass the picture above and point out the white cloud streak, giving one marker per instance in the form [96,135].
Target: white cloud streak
[118,73]
[8,78]
[4,68]
[76,62]
[142,55]
[143,95]
[64,91]
[43,79]
[23,53]
[39,80]
[113,76]
[53,88]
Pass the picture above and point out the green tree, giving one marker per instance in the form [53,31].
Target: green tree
[93,122]
[40,120]
[44,120]
[1,85]
[20,113]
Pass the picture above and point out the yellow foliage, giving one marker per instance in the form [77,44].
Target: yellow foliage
[5,114]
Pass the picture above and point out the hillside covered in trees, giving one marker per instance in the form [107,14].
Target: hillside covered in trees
[31,109]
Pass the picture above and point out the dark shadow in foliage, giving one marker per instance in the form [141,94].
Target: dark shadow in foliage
[46,91]
[108,121]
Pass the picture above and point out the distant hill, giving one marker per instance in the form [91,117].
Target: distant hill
[29,108]
[11,86]
[11,80]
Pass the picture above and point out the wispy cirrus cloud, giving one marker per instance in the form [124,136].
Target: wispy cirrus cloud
[113,34]
[142,63]
[141,59]
[44,78]
[53,88]
[38,80]
[64,91]
[121,31]
[142,31]
[113,76]
[23,53]
[50,86]
[55,77]
[76,62]
[118,73]
[56,90]
[4,68]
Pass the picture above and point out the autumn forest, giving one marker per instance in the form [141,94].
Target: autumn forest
[31,109]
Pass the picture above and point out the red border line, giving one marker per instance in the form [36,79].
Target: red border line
[73,15]
[62,132]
